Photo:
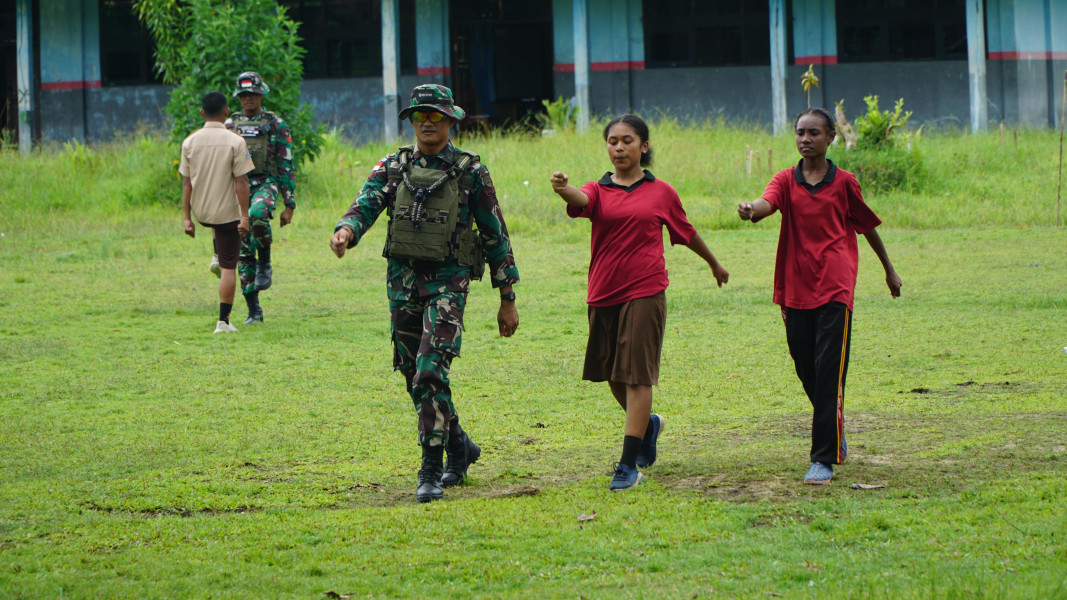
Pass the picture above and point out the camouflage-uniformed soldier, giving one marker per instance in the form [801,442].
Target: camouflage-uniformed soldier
[271,146]
[444,224]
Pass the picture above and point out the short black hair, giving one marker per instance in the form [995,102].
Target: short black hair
[640,128]
[830,125]
[214,104]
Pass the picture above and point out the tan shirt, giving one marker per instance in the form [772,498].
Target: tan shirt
[211,158]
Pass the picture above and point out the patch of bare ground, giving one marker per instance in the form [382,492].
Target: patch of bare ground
[720,486]
[173,511]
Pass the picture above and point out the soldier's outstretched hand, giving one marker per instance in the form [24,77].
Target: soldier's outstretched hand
[339,241]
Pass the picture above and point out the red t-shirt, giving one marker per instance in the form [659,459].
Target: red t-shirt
[817,253]
[627,239]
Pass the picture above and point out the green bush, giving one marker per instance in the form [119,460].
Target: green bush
[883,157]
[883,169]
[559,115]
[880,129]
[203,45]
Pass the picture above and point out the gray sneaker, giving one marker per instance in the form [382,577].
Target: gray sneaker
[819,474]
[215,268]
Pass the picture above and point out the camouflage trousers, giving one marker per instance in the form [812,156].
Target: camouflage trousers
[260,211]
[426,337]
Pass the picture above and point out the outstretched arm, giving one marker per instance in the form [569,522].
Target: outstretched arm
[697,245]
[754,211]
[891,277]
[570,194]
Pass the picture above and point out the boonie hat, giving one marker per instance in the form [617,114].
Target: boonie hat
[250,81]
[433,97]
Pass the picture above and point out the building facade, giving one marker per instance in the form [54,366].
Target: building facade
[82,69]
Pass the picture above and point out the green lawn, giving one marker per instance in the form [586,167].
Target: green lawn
[142,456]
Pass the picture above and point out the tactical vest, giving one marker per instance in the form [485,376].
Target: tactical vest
[256,132]
[424,221]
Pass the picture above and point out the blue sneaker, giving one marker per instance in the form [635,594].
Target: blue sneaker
[625,478]
[819,474]
[646,456]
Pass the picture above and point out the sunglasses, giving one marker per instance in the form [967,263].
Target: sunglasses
[433,117]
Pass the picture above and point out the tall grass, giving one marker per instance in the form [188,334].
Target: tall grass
[970,180]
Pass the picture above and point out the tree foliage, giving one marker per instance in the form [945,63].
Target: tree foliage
[203,45]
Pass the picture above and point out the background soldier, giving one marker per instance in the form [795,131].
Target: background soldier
[268,140]
[444,224]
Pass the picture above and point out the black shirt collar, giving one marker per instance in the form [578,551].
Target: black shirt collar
[826,179]
[606,180]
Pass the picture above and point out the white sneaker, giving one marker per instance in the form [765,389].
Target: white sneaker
[224,327]
[215,268]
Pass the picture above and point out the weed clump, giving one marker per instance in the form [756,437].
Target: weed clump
[878,150]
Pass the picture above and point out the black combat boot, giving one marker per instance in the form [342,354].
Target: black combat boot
[462,453]
[255,311]
[263,269]
[430,475]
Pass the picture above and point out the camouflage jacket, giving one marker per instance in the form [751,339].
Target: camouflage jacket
[280,150]
[422,278]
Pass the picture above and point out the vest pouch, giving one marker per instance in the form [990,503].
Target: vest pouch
[432,240]
[471,253]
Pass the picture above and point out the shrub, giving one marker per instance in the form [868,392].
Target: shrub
[883,169]
[877,150]
[559,115]
[880,129]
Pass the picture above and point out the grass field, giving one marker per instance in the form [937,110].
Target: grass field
[141,456]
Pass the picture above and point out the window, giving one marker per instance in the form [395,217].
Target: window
[891,30]
[706,33]
[343,38]
[126,48]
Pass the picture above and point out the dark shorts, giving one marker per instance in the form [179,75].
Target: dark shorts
[625,341]
[227,243]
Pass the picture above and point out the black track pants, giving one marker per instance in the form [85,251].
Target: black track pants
[818,341]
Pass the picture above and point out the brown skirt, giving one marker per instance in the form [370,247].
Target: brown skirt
[625,341]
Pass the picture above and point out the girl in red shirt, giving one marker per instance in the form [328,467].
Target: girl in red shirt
[815,276]
[627,278]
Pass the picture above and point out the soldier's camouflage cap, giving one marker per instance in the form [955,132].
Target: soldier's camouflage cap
[433,97]
[250,81]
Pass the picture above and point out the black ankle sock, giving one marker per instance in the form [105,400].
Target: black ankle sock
[224,311]
[630,446]
[264,254]
[214,246]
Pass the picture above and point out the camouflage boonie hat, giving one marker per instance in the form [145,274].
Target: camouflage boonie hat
[250,81]
[433,97]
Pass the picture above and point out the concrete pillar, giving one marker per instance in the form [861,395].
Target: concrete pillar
[27,83]
[976,49]
[581,62]
[433,58]
[390,67]
[778,40]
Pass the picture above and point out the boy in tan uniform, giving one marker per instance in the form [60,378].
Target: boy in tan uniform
[214,166]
